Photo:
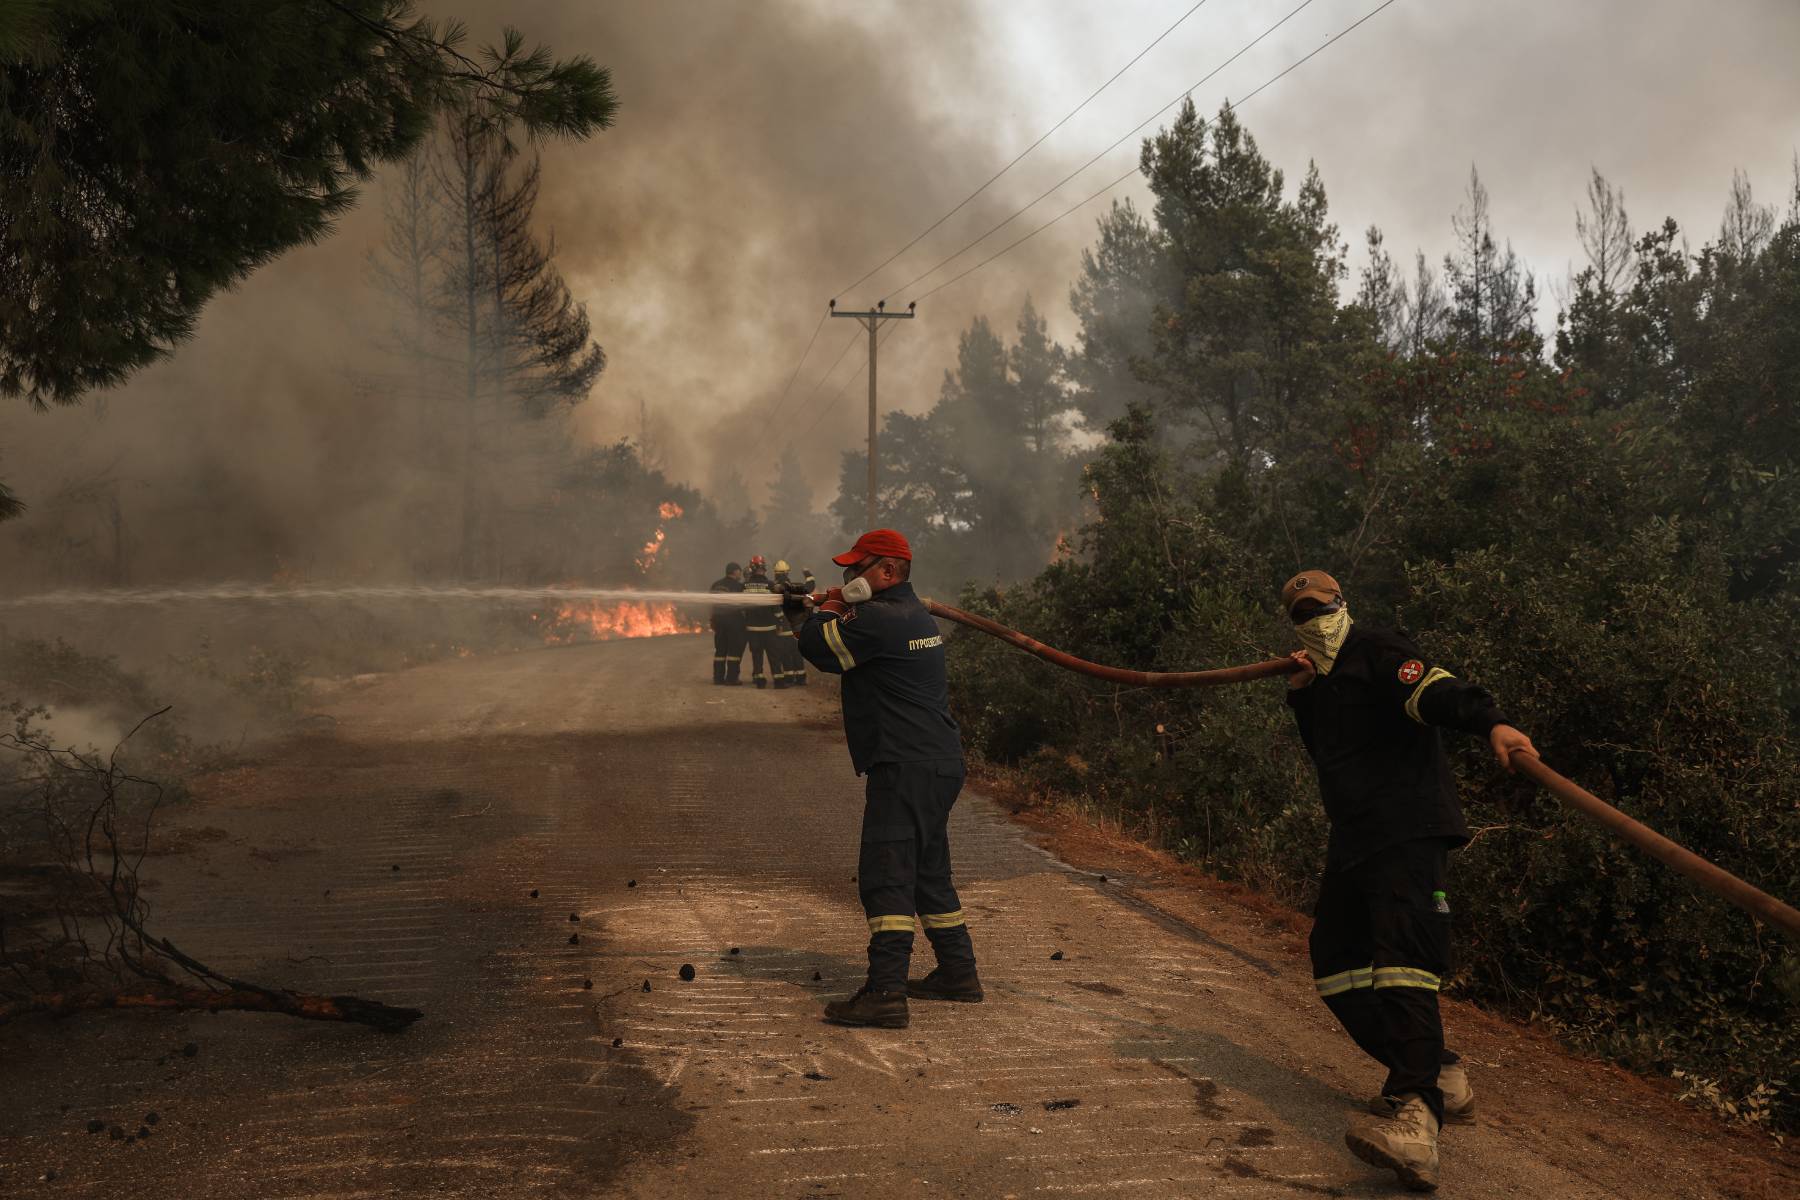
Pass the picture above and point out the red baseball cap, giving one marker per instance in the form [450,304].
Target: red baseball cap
[877,543]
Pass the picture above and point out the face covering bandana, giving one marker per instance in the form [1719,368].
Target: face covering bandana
[1324,636]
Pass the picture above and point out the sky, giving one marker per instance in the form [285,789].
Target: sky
[769,152]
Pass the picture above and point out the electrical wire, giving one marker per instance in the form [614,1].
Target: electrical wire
[1134,170]
[796,374]
[843,389]
[1058,185]
[768,423]
[961,204]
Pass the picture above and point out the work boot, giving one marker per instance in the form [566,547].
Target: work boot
[945,983]
[883,1010]
[1459,1097]
[1405,1143]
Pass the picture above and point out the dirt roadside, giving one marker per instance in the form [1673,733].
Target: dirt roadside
[1569,1106]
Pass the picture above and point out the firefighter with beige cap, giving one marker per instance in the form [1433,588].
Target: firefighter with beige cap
[1369,704]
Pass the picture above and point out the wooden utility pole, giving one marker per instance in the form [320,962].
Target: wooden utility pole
[872,320]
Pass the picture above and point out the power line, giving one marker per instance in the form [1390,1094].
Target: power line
[1027,150]
[844,388]
[1134,170]
[769,423]
[1057,186]
[790,383]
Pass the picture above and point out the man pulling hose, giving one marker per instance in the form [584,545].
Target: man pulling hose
[875,633]
[1369,705]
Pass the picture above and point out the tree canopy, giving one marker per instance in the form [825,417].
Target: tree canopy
[153,152]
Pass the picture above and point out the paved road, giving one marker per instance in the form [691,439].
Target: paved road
[664,822]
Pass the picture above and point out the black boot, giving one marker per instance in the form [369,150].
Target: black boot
[947,983]
[883,1010]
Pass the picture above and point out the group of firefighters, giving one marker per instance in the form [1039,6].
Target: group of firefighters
[769,633]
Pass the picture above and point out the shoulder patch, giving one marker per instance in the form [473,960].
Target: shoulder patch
[848,615]
[1411,670]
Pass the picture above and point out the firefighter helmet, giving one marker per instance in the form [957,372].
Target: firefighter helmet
[781,567]
[757,562]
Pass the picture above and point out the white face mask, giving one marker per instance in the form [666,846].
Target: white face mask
[858,590]
[1324,636]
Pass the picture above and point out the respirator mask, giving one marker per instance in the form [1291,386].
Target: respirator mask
[856,588]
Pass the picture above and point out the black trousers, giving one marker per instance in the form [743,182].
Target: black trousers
[763,645]
[904,868]
[728,652]
[1380,948]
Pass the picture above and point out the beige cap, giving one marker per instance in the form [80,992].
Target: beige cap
[1316,585]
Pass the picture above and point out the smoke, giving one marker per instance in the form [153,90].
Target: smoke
[768,154]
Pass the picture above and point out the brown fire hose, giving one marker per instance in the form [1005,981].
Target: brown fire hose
[1678,858]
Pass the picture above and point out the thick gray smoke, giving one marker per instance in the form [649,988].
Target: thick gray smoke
[768,153]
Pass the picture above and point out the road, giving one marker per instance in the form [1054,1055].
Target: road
[529,847]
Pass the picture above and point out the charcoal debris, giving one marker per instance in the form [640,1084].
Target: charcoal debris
[1057,957]
[150,1118]
[587,985]
[574,939]
[817,978]
[1059,1105]
[574,916]
[735,950]
[816,1077]
[687,975]
[96,1125]
[396,866]
[646,985]
[1005,1110]
[143,1131]
[189,1050]
[631,883]
[534,892]
[617,1042]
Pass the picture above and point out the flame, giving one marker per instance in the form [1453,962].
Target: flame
[595,621]
[668,510]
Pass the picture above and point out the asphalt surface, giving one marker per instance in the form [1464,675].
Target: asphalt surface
[394,853]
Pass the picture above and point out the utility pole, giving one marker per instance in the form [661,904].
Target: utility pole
[872,320]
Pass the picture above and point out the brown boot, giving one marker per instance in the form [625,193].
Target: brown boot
[1459,1097]
[942,984]
[883,1010]
[1405,1143]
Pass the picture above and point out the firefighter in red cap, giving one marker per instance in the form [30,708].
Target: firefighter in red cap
[1369,704]
[876,634]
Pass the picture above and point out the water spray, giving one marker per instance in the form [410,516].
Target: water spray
[227,593]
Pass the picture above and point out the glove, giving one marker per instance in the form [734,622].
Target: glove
[834,602]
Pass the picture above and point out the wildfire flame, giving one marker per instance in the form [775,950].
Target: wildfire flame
[601,622]
[668,510]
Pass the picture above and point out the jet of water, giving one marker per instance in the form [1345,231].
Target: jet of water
[232,593]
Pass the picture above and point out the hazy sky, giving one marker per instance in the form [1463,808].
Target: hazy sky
[768,152]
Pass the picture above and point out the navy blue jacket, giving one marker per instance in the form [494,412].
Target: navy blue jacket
[1372,729]
[896,699]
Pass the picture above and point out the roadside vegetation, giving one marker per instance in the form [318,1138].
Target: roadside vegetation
[1601,525]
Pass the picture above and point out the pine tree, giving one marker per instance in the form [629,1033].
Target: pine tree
[158,151]
[1493,298]
[1124,277]
[1038,367]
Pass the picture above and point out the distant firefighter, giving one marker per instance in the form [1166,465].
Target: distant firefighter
[763,626]
[793,608]
[728,629]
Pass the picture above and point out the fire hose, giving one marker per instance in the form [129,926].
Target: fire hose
[1676,857]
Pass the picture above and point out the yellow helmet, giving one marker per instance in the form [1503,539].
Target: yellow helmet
[781,566]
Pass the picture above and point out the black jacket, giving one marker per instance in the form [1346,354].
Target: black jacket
[725,617]
[761,620]
[1371,728]
[793,600]
[896,698]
